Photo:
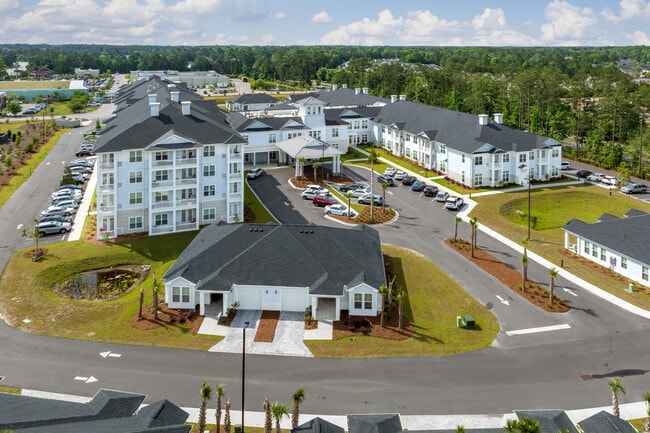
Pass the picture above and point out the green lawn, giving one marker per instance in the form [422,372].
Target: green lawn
[553,207]
[17,85]
[433,302]
[25,293]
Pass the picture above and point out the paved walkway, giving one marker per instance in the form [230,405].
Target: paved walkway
[84,208]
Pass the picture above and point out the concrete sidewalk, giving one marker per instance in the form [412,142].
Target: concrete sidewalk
[84,207]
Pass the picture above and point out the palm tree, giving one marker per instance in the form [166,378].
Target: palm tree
[460,429]
[268,421]
[383,293]
[301,162]
[457,220]
[384,187]
[220,392]
[474,223]
[524,271]
[349,196]
[141,301]
[315,167]
[646,423]
[279,411]
[399,297]
[226,418]
[206,394]
[616,386]
[298,397]
[553,274]
[155,296]
[524,425]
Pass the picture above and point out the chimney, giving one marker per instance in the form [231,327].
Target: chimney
[393,98]
[345,86]
[152,97]
[402,97]
[357,90]
[365,90]
[482,119]
[498,118]
[174,95]
[155,108]
[335,86]
[186,107]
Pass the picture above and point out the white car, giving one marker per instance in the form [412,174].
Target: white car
[399,175]
[595,177]
[309,193]
[255,172]
[376,199]
[359,192]
[336,209]
[390,171]
[454,203]
[565,165]
[609,180]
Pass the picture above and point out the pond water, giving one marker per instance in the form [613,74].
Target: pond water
[103,284]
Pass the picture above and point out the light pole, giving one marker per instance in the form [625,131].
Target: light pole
[529,206]
[243,372]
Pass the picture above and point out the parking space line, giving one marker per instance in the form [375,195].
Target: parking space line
[539,329]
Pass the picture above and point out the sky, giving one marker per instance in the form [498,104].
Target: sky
[332,22]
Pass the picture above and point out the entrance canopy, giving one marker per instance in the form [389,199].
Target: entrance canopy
[308,148]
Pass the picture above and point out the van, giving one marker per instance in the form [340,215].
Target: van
[565,165]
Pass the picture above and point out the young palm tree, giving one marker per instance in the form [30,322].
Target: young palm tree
[220,392]
[473,224]
[553,274]
[616,386]
[268,421]
[399,297]
[646,423]
[460,429]
[349,196]
[206,394]
[524,271]
[301,161]
[298,397]
[315,167]
[383,293]
[524,425]
[384,187]
[141,302]
[279,411]
[457,220]
[226,418]
[155,296]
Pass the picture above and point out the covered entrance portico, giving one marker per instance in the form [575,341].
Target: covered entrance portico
[326,308]
[216,300]
[304,149]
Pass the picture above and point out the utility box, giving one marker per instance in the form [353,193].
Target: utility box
[459,322]
[630,288]
[468,322]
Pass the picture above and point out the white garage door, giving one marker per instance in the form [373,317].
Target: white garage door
[249,299]
[294,300]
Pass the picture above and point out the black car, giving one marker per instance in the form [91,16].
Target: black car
[83,153]
[408,180]
[418,186]
[582,174]
[386,179]
[430,191]
[350,187]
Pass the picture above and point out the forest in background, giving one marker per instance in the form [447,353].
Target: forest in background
[590,97]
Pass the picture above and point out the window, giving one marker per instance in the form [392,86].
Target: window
[506,158]
[234,187]
[644,273]
[208,151]
[462,177]
[478,179]
[554,171]
[624,262]
[367,301]
[363,301]
[135,156]
[506,176]
[209,214]
[478,160]
[335,132]
[209,170]
[161,156]
[463,159]
[358,301]
[364,138]
[603,254]
[135,223]
[181,294]
[209,190]
[364,124]
[273,139]
[160,175]
[496,159]
[587,245]
[135,177]
[161,219]
[531,155]
[522,157]
[555,152]
[594,251]
[408,137]
[135,197]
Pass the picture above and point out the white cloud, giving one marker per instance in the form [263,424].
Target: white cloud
[268,39]
[7,5]
[639,38]
[321,17]
[280,15]
[492,29]
[366,31]
[628,10]
[199,6]
[567,24]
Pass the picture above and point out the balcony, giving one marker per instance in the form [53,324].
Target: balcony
[184,226]
[106,208]
[235,196]
[162,229]
[162,204]
[186,181]
[106,187]
[235,175]
[107,165]
[235,156]
[186,202]
[156,184]
[185,161]
[162,163]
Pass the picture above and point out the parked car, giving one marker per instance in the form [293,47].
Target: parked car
[350,187]
[336,209]
[61,218]
[82,161]
[66,203]
[80,167]
[323,200]
[408,180]
[609,180]
[254,173]
[359,192]
[583,174]
[80,180]
[309,194]
[634,188]
[418,185]
[430,191]
[390,171]
[565,165]
[82,153]
[386,179]
[442,196]
[454,202]
[52,227]
[367,198]
[70,186]
[399,175]
[595,177]
[56,210]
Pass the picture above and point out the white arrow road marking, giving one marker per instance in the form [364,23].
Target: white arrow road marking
[536,330]
[109,354]
[20,226]
[84,379]
[503,301]
[91,379]
[286,203]
[570,292]
[81,378]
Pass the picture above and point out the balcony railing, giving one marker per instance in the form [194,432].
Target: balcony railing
[107,165]
[186,202]
[155,184]
[186,161]
[181,226]
[234,175]
[106,208]
[106,187]
[162,163]
[186,181]
[162,204]
[235,196]
[162,229]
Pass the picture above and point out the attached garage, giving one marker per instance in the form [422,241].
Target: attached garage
[249,298]
[294,300]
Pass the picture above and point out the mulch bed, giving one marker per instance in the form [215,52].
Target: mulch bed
[166,317]
[266,326]
[32,253]
[535,293]
[351,326]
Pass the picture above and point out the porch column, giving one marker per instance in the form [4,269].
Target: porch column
[201,304]
[298,165]
[566,240]
[336,165]
[337,311]
[313,302]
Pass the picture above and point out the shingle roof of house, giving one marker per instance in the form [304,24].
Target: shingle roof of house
[457,130]
[604,422]
[135,128]
[550,421]
[307,147]
[375,423]
[245,125]
[349,114]
[255,98]
[318,425]
[629,236]
[108,411]
[341,97]
[324,259]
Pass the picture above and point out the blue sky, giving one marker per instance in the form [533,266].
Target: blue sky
[333,22]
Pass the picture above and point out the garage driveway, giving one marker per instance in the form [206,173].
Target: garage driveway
[288,340]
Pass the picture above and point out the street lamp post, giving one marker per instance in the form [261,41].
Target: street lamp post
[243,373]
[528,206]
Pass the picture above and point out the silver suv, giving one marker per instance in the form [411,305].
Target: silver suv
[367,198]
[53,227]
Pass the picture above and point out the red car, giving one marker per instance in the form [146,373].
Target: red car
[324,200]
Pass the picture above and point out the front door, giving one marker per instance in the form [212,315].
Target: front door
[271,299]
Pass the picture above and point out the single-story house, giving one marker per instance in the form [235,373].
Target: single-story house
[605,422]
[620,244]
[550,421]
[318,425]
[280,268]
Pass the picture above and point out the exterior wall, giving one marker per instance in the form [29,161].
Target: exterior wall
[364,291]
[180,304]
[613,260]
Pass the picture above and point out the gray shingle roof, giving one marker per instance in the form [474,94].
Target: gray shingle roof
[325,259]
[604,422]
[318,425]
[341,97]
[255,98]
[375,423]
[629,236]
[550,421]
[457,130]
[244,125]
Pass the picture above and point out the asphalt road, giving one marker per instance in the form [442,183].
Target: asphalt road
[540,370]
